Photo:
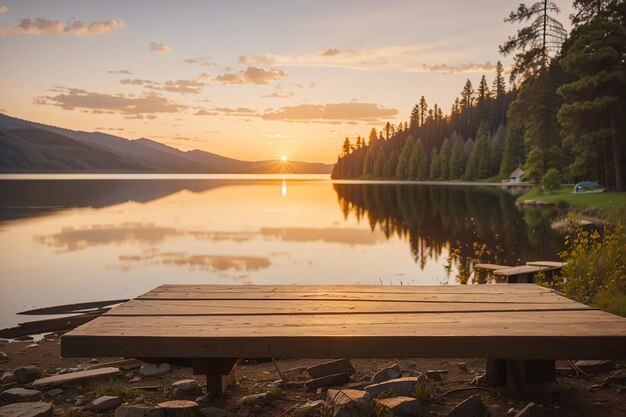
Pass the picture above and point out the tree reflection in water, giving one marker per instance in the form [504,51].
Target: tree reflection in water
[466,225]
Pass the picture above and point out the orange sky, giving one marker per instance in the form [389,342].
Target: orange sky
[253,80]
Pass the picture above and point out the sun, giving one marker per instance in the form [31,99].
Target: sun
[283,158]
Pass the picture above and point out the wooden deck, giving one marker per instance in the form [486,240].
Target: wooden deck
[208,321]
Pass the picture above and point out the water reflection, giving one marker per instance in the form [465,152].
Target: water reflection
[474,223]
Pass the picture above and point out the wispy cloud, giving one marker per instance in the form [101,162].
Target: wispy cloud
[333,113]
[227,111]
[3,9]
[205,61]
[408,58]
[44,26]
[147,105]
[160,48]
[278,94]
[121,72]
[252,75]
[178,86]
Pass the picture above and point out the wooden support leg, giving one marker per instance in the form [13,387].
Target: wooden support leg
[495,372]
[529,377]
[219,373]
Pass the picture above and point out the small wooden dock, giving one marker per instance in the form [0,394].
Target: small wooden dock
[522,274]
[211,326]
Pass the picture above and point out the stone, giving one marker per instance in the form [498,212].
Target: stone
[187,385]
[470,407]
[20,395]
[616,377]
[139,411]
[26,374]
[309,408]
[34,409]
[462,366]
[178,406]
[385,375]
[349,403]
[531,410]
[7,378]
[153,369]
[398,407]
[254,399]
[331,368]
[434,375]
[214,412]
[53,393]
[73,377]
[328,381]
[595,367]
[399,387]
[4,358]
[80,401]
[178,394]
[106,402]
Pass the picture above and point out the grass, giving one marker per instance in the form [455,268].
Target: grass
[564,196]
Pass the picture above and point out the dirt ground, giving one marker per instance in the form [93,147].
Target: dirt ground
[577,396]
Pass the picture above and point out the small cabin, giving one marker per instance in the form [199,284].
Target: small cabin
[516,175]
[588,187]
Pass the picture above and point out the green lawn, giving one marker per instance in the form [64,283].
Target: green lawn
[610,201]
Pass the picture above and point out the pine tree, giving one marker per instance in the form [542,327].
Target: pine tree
[498,89]
[389,167]
[423,170]
[592,115]
[513,156]
[402,170]
[445,155]
[435,169]
[373,136]
[347,148]
[417,154]
[456,157]
[423,110]
[497,151]
[379,164]
[467,95]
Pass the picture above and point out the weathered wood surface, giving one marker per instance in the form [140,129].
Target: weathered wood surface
[502,321]
[548,264]
[491,267]
[520,270]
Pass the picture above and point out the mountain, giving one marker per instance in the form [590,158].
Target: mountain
[34,147]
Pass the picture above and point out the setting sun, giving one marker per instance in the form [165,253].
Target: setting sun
[283,158]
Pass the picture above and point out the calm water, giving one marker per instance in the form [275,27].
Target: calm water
[93,238]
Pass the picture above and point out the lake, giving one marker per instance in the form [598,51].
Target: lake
[74,238]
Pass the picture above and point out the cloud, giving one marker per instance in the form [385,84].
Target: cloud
[44,26]
[3,9]
[129,105]
[407,58]
[160,47]
[279,95]
[252,75]
[178,86]
[329,113]
[205,61]
[226,111]
[122,72]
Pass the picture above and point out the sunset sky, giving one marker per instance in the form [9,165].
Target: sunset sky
[248,80]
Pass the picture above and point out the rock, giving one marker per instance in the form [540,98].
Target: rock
[470,407]
[462,366]
[434,375]
[385,375]
[187,385]
[53,393]
[531,410]
[106,402]
[73,377]
[3,357]
[139,411]
[214,412]
[20,395]
[349,403]
[80,401]
[34,409]
[178,394]
[254,399]
[309,408]
[7,378]
[328,381]
[616,377]
[153,369]
[595,367]
[399,386]
[331,368]
[398,407]
[178,405]
[26,374]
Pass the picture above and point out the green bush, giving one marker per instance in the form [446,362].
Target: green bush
[551,180]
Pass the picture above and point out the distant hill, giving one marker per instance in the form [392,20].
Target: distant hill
[27,146]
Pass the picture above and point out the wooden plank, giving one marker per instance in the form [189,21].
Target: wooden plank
[72,308]
[49,325]
[549,264]
[519,270]
[491,267]
[201,290]
[141,307]
[565,334]
[75,377]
